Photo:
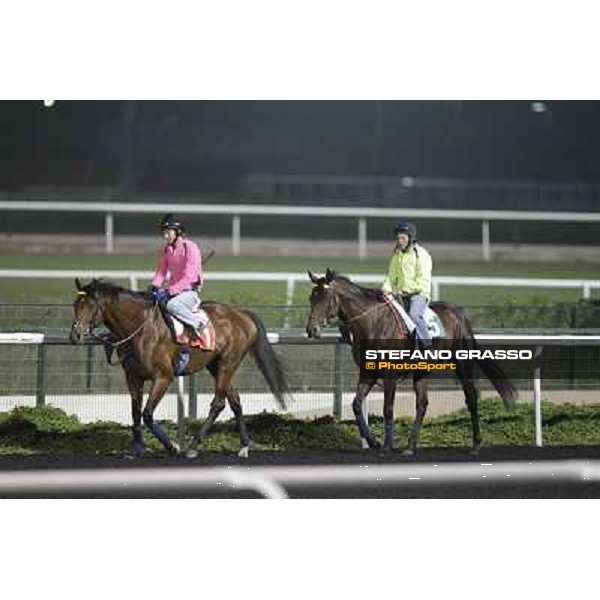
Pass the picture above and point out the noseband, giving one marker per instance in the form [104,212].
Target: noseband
[97,309]
[330,296]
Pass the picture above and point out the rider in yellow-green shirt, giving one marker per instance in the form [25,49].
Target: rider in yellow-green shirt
[409,275]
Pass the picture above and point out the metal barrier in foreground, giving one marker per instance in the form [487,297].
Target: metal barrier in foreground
[271,482]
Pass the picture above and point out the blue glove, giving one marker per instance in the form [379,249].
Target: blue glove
[158,294]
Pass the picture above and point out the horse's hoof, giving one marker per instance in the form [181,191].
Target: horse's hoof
[191,453]
[175,449]
[132,455]
[137,451]
[369,444]
[408,453]
[243,453]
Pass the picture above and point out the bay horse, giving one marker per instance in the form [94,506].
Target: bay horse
[147,351]
[362,314]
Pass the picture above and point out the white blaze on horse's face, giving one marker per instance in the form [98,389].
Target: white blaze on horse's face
[85,310]
[323,302]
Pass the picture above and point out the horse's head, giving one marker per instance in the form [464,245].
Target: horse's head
[88,311]
[324,303]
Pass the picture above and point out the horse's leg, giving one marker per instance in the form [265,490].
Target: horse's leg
[465,374]
[136,389]
[421,401]
[236,406]
[222,374]
[367,438]
[159,387]
[389,393]
[216,406]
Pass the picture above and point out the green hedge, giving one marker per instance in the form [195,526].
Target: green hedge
[49,430]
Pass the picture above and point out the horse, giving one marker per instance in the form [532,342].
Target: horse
[363,314]
[147,351]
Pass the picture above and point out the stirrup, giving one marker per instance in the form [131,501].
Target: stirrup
[182,360]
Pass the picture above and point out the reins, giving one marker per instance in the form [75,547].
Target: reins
[109,346]
[361,314]
[129,337]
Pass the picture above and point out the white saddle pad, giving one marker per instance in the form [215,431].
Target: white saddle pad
[434,324]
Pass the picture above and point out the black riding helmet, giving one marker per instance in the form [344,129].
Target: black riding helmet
[170,221]
[408,228]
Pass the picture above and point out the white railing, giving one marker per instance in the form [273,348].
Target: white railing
[291,279]
[271,482]
[511,340]
[266,210]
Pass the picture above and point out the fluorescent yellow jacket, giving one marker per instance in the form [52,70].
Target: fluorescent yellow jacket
[409,272]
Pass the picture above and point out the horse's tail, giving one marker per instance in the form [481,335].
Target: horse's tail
[269,363]
[491,369]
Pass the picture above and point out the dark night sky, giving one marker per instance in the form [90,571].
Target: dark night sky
[206,146]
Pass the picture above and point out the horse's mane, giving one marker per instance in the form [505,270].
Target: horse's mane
[370,293]
[103,286]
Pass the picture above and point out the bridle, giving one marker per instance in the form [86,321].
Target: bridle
[330,291]
[93,324]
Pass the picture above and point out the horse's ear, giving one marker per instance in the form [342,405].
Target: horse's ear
[78,284]
[313,278]
[93,286]
[329,275]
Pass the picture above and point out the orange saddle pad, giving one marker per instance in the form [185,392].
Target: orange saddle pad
[207,339]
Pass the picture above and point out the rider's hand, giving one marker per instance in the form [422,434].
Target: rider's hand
[157,294]
[162,295]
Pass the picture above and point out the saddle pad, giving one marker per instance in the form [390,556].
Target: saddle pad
[207,339]
[432,320]
[399,313]
[434,324]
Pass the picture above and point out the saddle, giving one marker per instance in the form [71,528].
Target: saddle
[432,320]
[183,335]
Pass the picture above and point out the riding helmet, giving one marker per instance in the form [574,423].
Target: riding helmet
[406,227]
[170,221]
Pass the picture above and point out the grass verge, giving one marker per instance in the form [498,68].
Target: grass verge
[49,430]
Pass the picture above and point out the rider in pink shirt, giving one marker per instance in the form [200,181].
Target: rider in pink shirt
[181,261]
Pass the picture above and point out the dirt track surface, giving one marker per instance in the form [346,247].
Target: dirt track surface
[414,489]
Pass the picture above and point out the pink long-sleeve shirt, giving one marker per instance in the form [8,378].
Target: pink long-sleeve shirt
[183,262]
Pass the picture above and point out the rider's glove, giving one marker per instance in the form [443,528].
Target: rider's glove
[162,295]
[157,294]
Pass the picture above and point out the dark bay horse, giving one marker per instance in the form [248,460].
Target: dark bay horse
[362,314]
[147,352]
